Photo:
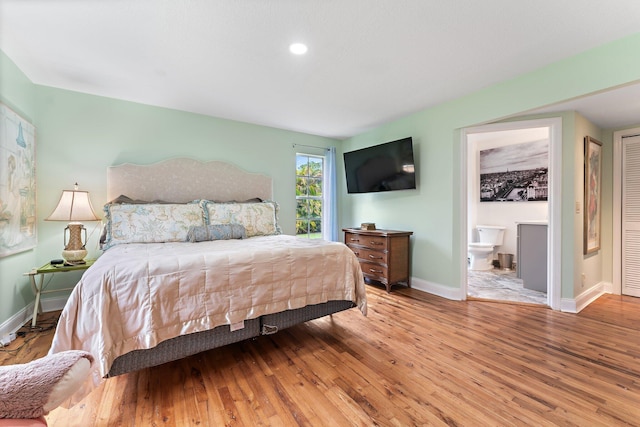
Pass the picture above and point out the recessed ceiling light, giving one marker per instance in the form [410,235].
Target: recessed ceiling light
[298,48]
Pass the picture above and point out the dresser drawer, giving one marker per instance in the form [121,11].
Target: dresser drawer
[374,271]
[353,239]
[370,255]
[373,242]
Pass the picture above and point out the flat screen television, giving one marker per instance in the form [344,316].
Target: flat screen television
[384,167]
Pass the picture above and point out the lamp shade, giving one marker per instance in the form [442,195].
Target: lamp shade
[74,205]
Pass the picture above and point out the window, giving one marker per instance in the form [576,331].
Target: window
[309,195]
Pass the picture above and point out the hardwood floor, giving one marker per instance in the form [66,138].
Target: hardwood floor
[417,359]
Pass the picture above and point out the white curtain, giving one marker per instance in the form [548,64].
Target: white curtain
[330,211]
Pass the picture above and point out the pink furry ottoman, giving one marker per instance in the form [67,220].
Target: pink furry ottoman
[18,422]
[29,391]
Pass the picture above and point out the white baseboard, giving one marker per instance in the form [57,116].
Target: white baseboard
[443,291]
[17,321]
[584,299]
[25,315]
[53,304]
[567,304]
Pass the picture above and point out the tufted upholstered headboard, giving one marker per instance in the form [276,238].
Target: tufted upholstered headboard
[182,180]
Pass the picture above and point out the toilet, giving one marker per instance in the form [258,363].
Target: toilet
[481,253]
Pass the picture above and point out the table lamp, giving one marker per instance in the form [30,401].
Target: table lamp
[74,206]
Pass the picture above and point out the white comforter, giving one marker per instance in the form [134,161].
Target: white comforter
[137,295]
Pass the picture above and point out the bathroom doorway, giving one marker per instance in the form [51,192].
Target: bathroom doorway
[516,190]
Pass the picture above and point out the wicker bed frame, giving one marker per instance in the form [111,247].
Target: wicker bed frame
[182,180]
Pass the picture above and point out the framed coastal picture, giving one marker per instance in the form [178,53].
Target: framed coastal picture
[17,183]
[592,194]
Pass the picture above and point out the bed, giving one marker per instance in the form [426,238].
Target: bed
[194,259]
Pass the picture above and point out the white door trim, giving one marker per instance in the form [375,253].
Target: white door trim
[617,206]
[554,253]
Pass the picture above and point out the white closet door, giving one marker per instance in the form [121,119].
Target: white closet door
[631,216]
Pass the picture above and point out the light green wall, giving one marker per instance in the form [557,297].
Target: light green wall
[17,92]
[588,269]
[433,211]
[78,136]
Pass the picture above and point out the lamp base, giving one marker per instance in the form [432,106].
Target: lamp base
[74,256]
[74,250]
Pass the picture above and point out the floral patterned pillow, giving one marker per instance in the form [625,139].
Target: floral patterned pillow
[150,223]
[258,219]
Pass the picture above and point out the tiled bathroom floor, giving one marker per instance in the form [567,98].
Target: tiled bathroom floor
[501,285]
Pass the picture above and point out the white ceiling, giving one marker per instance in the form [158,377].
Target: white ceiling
[615,108]
[369,61]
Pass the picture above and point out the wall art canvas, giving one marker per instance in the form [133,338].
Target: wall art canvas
[592,179]
[17,183]
[515,173]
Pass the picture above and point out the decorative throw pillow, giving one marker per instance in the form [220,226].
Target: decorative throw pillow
[258,219]
[150,223]
[33,389]
[203,233]
[124,200]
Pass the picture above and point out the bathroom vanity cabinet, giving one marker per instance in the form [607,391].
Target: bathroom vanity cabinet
[383,254]
[531,265]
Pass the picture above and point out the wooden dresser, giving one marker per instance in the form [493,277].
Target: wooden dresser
[383,254]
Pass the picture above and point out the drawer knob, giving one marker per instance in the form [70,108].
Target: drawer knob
[353,239]
[356,252]
[373,270]
[375,257]
[376,243]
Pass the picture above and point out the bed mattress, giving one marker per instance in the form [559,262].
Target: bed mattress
[137,296]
